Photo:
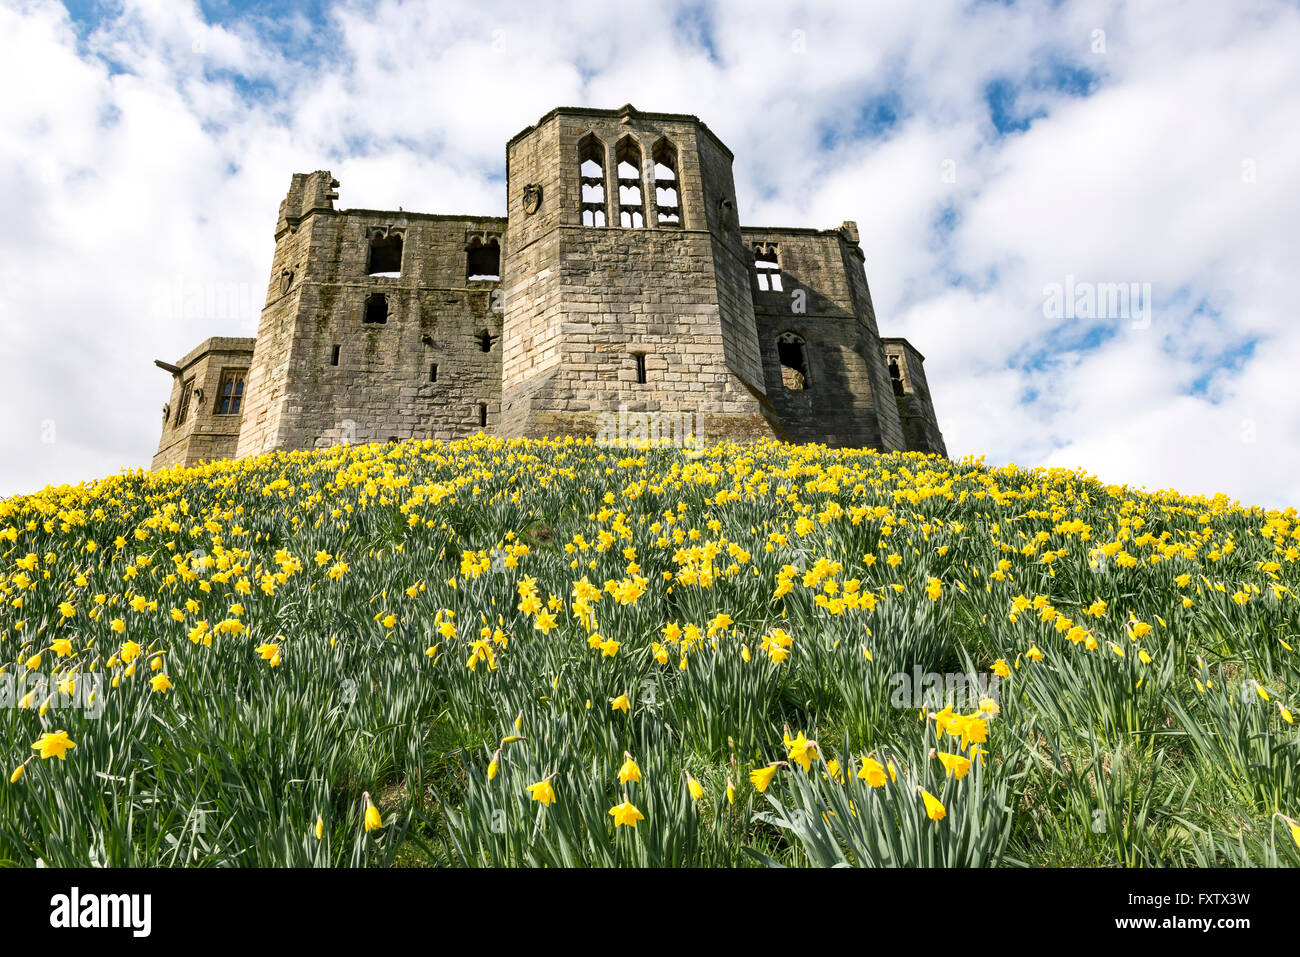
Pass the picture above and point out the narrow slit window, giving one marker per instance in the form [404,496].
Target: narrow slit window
[385,258]
[591,180]
[376,308]
[433,372]
[631,202]
[482,415]
[334,355]
[792,353]
[230,392]
[485,340]
[896,376]
[640,367]
[767,270]
[183,407]
[668,202]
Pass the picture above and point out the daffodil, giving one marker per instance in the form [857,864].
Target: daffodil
[629,770]
[801,750]
[53,744]
[933,809]
[954,764]
[542,791]
[762,777]
[373,819]
[873,772]
[694,787]
[625,813]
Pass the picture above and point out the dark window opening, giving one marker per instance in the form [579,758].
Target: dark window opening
[668,202]
[433,372]
[483,262]
[385,254]
[631,202]
[183,407]
[767,270]
[230,392]
[334,355]
[792,353]
[640,367]
[482,415]
[896,376]
[392,440]
[591,179]
[485,340]
[376,308]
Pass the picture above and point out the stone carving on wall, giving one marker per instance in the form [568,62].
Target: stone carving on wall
[532,198]
[727,215]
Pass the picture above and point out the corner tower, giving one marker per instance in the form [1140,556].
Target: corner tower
[379,325]
[626,279]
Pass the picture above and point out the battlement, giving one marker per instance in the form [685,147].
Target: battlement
[620,279]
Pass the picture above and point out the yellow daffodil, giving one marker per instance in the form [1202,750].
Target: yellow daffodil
[373,819]
[53,744]
[542,792]
[629,770]
[625,814]
[933,809]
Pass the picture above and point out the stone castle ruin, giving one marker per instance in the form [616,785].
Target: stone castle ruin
[620,284]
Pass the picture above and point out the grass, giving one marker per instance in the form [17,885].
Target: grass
[442,628]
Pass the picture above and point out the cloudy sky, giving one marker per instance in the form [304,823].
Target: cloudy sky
[993,154]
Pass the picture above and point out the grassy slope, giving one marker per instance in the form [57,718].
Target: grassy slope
[1155,730]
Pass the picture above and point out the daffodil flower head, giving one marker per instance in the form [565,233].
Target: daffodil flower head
[629,771]
[373,819]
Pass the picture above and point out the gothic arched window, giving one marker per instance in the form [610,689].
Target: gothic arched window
[668,196]
[591,180]
[767,268]
[631,201]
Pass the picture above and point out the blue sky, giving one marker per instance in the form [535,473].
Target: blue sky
[988,151]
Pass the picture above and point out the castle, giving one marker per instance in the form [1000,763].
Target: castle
[620,281]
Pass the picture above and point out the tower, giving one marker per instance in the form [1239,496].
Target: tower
[378,325]
[626,282]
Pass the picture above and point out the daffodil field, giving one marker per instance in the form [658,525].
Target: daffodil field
[553,653]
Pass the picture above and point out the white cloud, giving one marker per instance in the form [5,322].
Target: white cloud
[143,159]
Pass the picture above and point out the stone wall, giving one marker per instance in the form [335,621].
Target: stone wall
[203,433]
[821,304]
[582,301]
[915,407]
[585,320]
[325,375]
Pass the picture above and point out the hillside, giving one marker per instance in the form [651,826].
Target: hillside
[554,653]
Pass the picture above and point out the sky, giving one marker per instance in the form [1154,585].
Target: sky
[1012,167]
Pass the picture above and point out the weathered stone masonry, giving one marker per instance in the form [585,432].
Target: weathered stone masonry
[620,279]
